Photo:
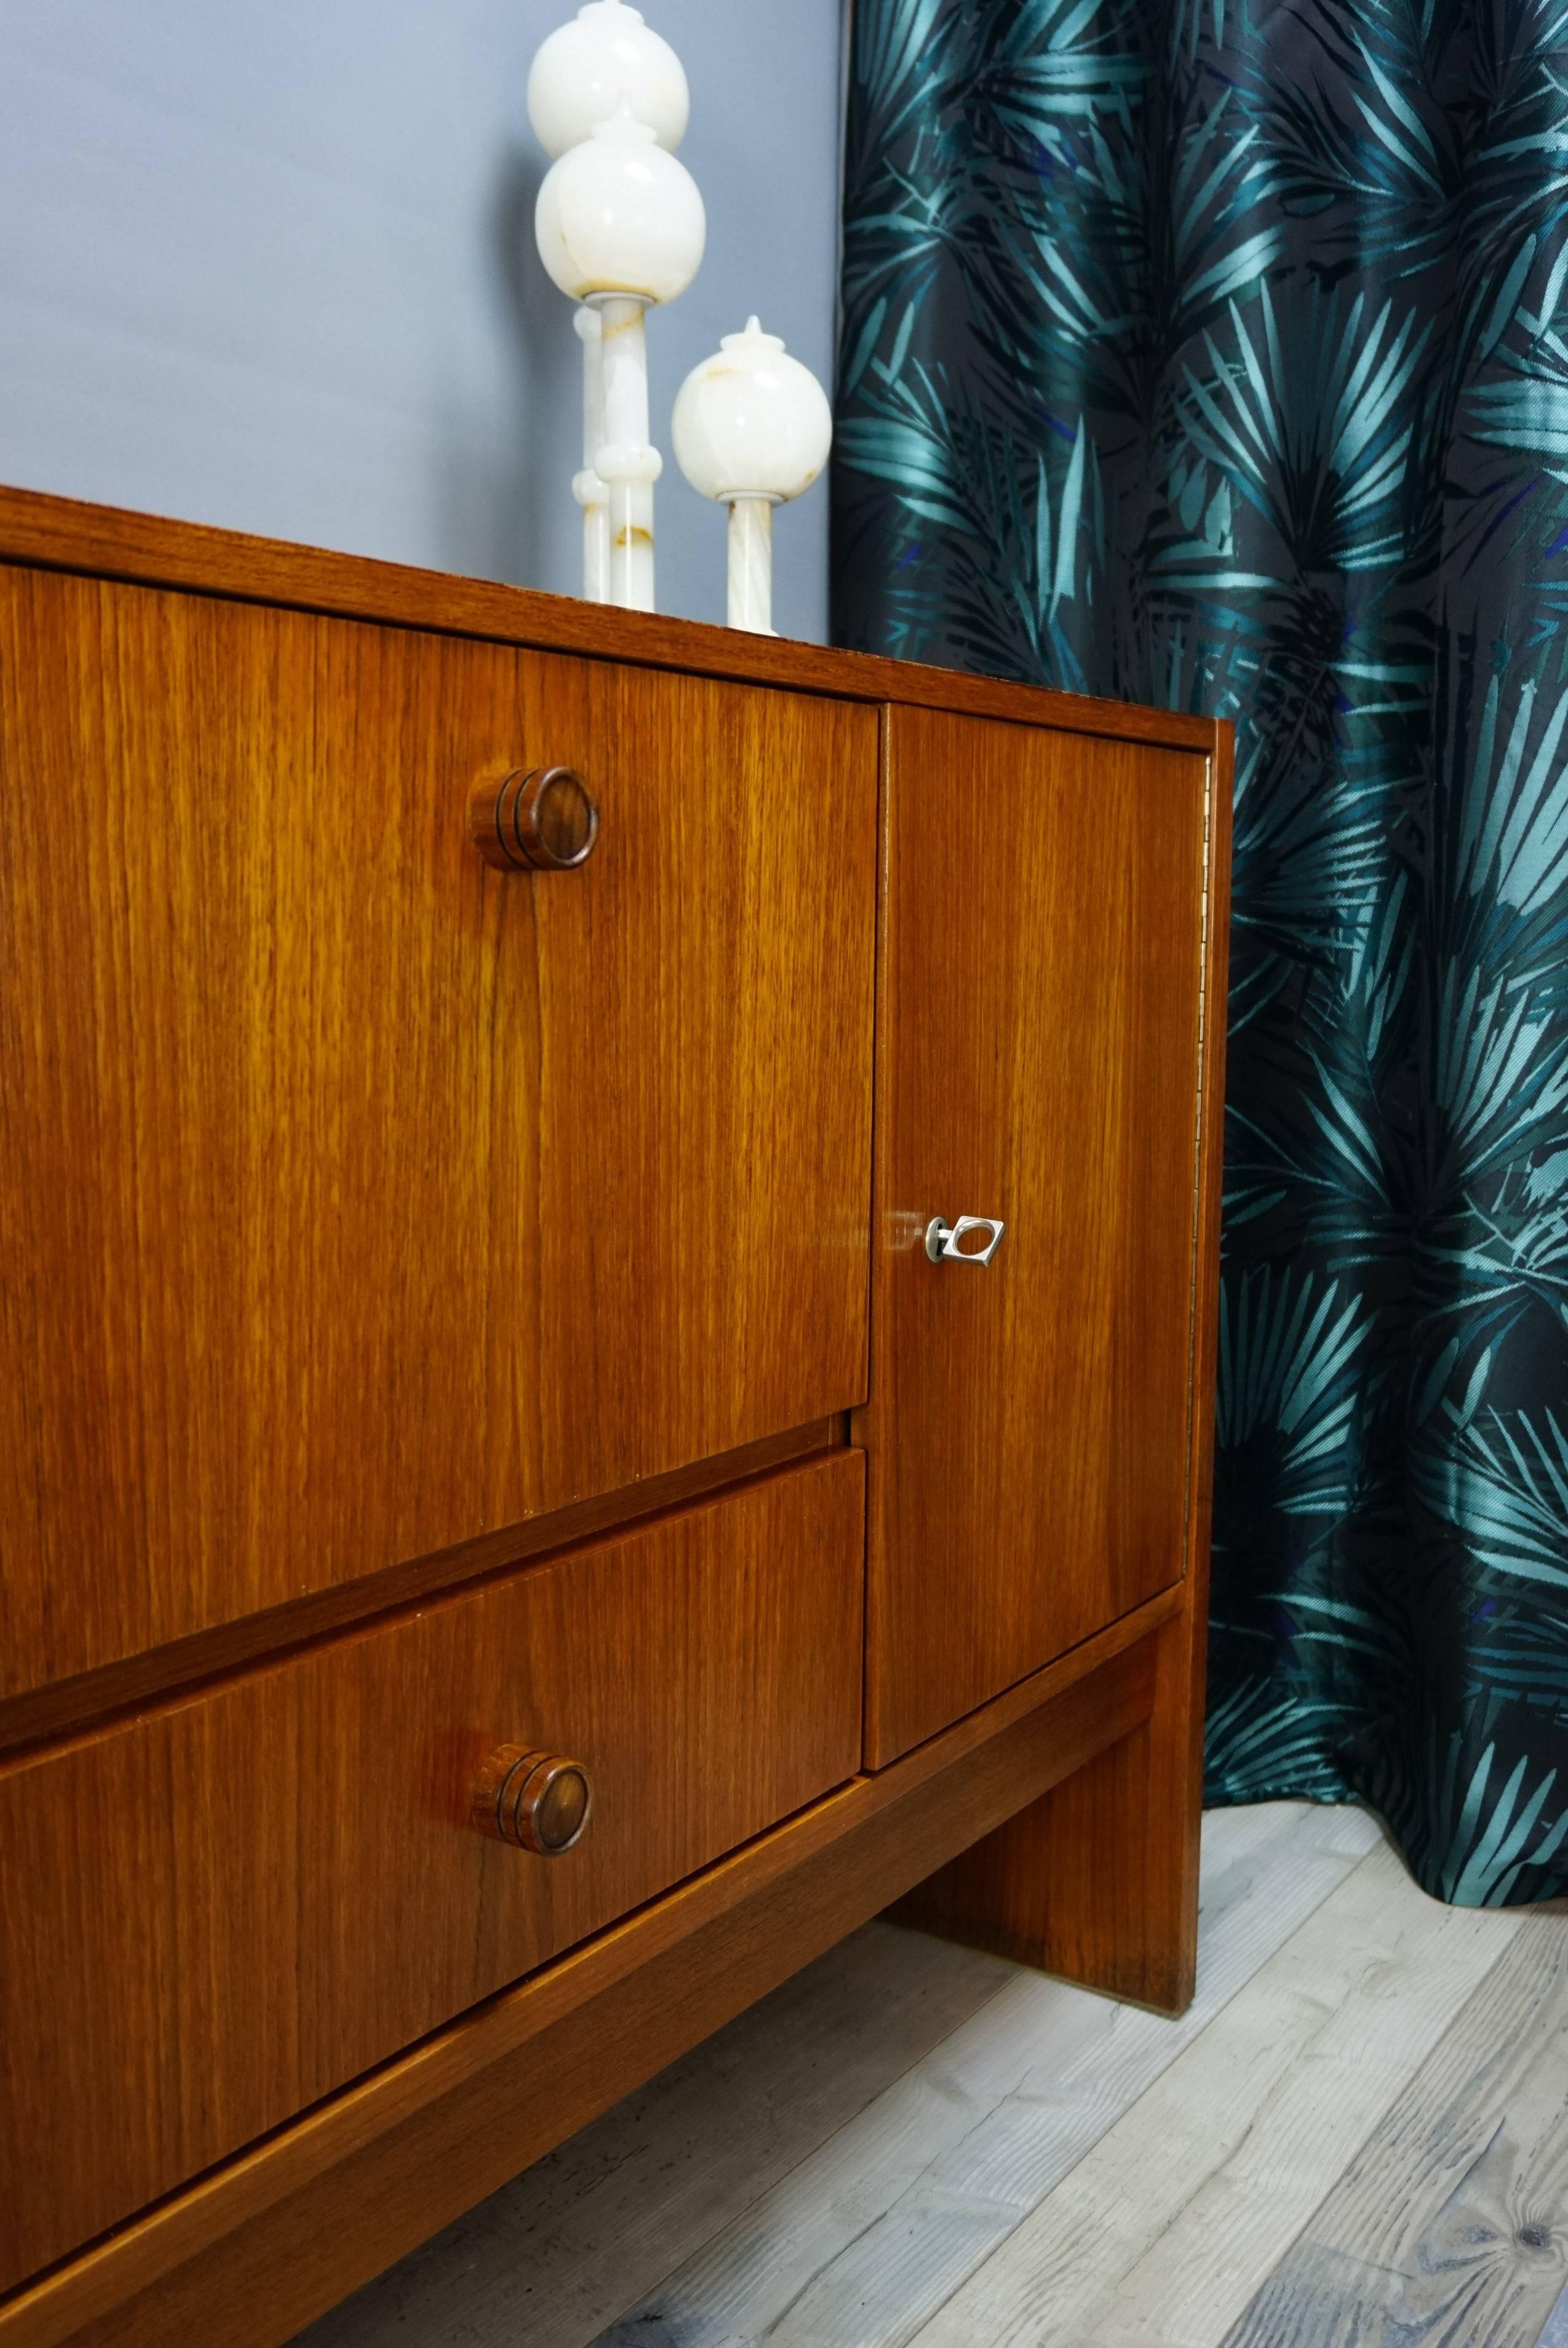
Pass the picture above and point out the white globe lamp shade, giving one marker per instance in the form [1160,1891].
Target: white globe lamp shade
[606,57]
[751,422]
[616,214]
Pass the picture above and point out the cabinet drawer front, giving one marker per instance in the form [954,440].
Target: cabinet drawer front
[1030,1426]
[219,1913]
[357,1200]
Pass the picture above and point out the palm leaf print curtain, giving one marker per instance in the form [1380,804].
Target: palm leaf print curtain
[1218,357]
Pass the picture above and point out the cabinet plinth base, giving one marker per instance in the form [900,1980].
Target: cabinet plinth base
[1098,1879]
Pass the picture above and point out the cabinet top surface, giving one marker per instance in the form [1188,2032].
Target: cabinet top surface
[64,534]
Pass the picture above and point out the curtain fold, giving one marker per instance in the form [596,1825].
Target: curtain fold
[1218,357]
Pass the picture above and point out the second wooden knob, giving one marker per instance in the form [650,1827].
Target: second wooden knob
[535,1800]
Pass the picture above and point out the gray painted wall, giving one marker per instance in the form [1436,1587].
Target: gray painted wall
[271,266]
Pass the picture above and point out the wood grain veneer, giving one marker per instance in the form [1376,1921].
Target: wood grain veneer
[1099,1879]
[69,1704]
[61,534]
[356,1200]
[1029,1428]
[254,2252]
[219,1913]
[373,1221]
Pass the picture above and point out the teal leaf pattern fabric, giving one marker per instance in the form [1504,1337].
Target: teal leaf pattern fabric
[1217,356]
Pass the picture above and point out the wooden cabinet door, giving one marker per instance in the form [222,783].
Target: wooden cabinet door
[356,1199]
[1030,1423]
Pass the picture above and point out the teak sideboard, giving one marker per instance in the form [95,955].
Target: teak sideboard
[608,1275]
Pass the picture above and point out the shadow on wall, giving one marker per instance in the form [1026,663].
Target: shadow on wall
[499,515]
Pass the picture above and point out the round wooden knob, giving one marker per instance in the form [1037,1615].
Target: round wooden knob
[538,818]
[537,1801]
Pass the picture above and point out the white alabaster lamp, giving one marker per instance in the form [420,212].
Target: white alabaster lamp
[618,215]
[751,430]
[581,74]
[607,63]
[620,224]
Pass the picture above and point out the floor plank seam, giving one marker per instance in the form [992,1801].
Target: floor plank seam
[1494,2050]
[1129,2112]
[987,2302]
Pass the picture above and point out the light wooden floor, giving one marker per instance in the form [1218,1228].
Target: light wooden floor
[1357,2138]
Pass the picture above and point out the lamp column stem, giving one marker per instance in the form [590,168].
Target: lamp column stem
[751,565]
[626,463]
[589,489]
